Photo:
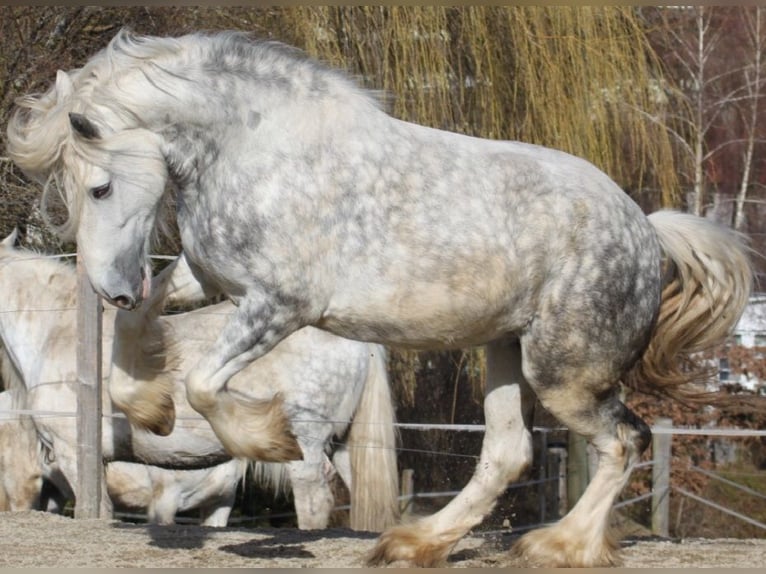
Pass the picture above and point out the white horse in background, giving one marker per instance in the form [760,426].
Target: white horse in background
[38,331]
[27,457]
[37,324]
[159,492]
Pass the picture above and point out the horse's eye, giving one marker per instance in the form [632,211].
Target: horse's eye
[102,191]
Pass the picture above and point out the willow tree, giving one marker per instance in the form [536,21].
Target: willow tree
[582,79]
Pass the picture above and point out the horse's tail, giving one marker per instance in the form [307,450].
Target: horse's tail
[372,445]
[706,288]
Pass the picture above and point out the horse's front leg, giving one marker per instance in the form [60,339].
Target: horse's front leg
[505,453]
[247,428]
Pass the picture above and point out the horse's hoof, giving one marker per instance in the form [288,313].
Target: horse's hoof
[558,547]
[409,543]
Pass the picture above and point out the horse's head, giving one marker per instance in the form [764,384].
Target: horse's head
[119,178]
[108,170]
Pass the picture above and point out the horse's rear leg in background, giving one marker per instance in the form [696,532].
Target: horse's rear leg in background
[312,494]
[216,494]
[582,394]
[506,452]
[217,515]
[66,458]
[341,460]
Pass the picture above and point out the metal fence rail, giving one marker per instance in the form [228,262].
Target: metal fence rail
[721,508]
[738,486]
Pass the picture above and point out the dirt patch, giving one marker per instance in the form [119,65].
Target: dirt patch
[38,539]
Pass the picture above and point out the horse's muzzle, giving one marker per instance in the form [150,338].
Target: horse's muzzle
[131,302]
[124,302]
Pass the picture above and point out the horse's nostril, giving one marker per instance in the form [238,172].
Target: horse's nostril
[124,302]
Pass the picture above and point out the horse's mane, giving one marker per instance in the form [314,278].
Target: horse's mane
[114,88]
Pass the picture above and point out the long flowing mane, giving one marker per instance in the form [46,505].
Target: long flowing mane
[132,83]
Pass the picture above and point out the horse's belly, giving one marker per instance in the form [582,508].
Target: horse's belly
[425,317]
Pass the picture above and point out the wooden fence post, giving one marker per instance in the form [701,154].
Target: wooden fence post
[89,449]
[557,467]
[577,467]
[661,479]
[543,488]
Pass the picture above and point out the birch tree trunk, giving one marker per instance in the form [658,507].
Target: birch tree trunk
[754,93]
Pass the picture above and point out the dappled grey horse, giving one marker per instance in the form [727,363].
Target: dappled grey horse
[304,202]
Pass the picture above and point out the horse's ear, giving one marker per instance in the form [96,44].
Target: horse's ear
[84,126]
[10,241]
[64,87]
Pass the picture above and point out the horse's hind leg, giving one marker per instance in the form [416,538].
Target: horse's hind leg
[312,494]
[506,452]
[584,398]
[341,460]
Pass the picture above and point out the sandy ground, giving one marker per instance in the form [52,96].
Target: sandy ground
[37,539]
